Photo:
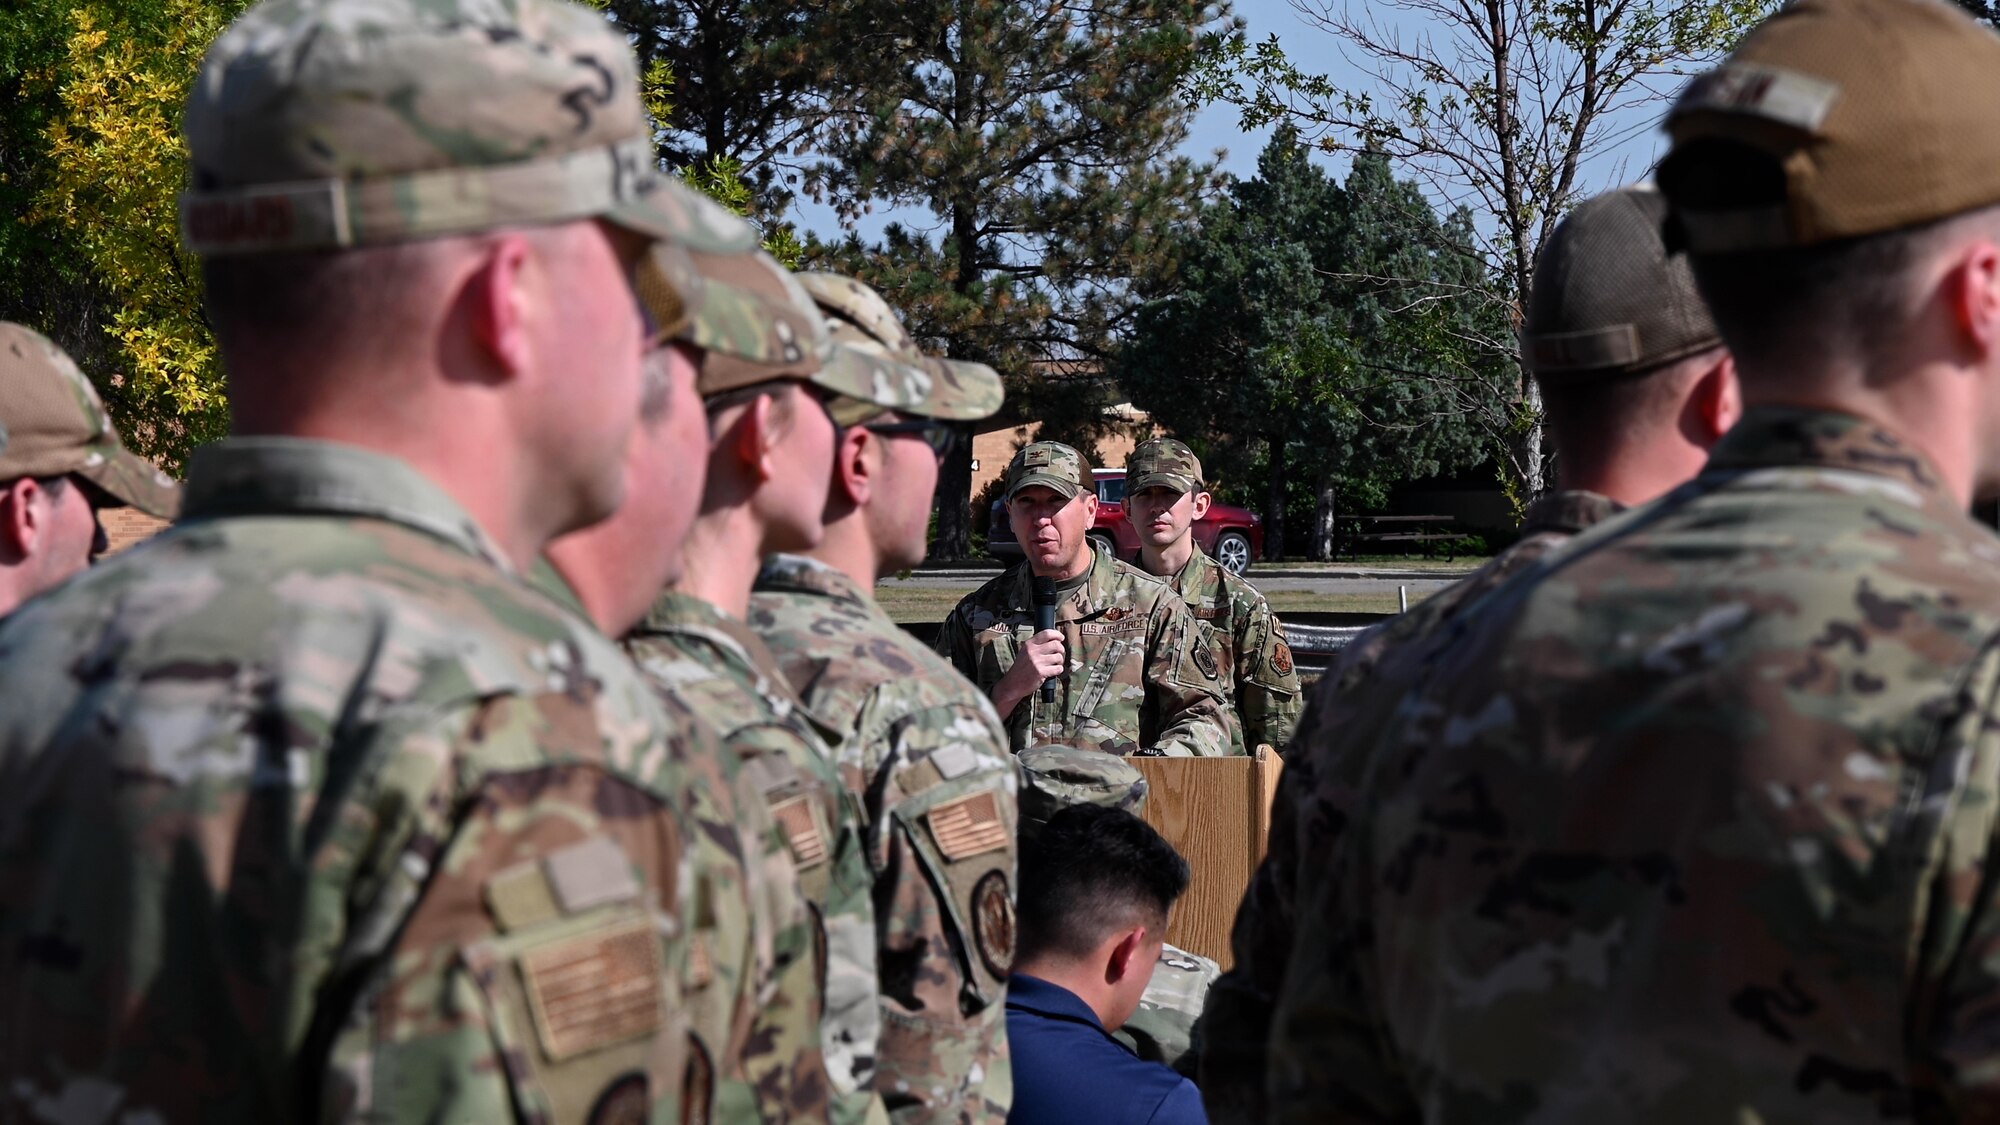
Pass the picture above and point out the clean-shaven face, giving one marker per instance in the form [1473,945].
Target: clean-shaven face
[1054,531]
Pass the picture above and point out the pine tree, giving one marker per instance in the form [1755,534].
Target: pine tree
[1335,331]
[1041,135]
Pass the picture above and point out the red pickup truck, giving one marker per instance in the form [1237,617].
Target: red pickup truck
[1231,535]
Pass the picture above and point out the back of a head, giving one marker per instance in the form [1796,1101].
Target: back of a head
[1815,170]
[1611,315]
[1090,873]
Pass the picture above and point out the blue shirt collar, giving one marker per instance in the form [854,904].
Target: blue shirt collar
[1033,994]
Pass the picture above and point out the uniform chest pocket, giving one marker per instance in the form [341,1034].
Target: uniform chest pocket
[1102,656]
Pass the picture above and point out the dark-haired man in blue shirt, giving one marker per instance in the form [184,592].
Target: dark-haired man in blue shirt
[1097,885]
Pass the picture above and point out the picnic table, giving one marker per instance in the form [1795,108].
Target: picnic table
[1429,531]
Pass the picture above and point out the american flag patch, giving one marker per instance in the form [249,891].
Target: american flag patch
[969,826]
[802,832]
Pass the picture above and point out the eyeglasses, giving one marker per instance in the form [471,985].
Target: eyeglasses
[940,436]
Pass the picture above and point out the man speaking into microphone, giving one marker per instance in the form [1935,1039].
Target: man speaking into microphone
[1104,656]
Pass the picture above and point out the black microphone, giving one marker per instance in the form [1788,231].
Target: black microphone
[1045,619]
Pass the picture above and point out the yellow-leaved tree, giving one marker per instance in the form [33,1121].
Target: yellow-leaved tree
[114,166]
[116,163]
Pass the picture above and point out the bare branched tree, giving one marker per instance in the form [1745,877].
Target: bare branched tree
[1496,105]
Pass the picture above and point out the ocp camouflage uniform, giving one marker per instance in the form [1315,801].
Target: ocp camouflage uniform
[722,672]
[314,809]
[1237,1019]
[1140,679]
[1249,641]
[1165,1028]
[929,758]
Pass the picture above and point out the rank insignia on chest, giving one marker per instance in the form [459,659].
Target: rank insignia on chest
[1115,613]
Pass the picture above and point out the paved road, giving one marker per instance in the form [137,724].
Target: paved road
[1338,582]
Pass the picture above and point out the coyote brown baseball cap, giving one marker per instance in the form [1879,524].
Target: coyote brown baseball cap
[1836,119]
[1608,298]
[322,124]
[56,426]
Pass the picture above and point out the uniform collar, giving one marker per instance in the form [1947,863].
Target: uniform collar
[676,613]
[1772,437]
[1571,510]
[271,476]
[802,575]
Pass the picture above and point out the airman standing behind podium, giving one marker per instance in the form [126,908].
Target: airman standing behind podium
[1164,496]
[314,809]
[1694,819]
[919,746]
[1132,671]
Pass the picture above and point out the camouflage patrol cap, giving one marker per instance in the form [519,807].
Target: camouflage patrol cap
[56,425]
[1835,119]
[755,324]
[1608,298]
[1054,778]
[926,386]
[1050,464]
[321,124]
[1162,463]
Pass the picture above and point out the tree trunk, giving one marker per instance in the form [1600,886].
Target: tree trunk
[1274,505]
[954,505]
[1326,511]
[1529,458]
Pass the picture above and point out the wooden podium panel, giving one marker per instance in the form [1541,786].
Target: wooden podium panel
[1217,813]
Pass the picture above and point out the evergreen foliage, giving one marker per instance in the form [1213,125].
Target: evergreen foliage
[1343,334]
[1042,136]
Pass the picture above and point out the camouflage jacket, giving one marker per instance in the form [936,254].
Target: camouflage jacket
[1249,646]
[694,652]
[928,757]
[1689,821]
[1164,1028]
[1237,1020]
[310,809]
[1141,679]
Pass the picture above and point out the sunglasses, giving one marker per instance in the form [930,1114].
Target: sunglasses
[940,436]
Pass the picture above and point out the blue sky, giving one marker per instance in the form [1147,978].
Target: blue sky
[1216,127]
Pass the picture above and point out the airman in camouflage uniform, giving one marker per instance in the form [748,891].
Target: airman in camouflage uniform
[1693,819]
[1164,1028]
[757,1002]
[919,746]
[1604,277]
[49,531]
[311,808]
[1164,495]
[1134,673]
[761,337]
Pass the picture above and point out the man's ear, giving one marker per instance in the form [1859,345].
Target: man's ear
[856,462]
[1972,288]
[1202,500]
[21,519]
[1090,507]
[497,298]
[1127,956]
[1717,400]
[752,436]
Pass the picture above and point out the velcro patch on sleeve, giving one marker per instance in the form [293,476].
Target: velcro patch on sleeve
[591,874]
[595,989]
[802,831]
[519,897]
[969,826]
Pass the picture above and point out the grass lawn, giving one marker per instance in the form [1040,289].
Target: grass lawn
[931,603]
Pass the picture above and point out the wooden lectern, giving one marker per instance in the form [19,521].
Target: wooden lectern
[1217,813]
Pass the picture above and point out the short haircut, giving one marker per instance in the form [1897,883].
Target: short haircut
[330,302]
[1089,873]
[1801,308]
[1591,418]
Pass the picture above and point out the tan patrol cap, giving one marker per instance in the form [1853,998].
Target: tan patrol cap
[56,425]
[322,124]
[1050,464]
[926,386]
[755,324]
[1608,298]
[1162,463]
[1852,117]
